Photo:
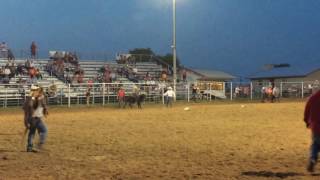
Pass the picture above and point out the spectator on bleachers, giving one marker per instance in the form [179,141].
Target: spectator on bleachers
[3,50]
[56,55]
[120,59]
[134,71]
[75,59]
[7,71]
[79,78]
[131,60]
[66,57]
[10,55]
[31,64]
[61,69]
[71,58]
[107,74]
[90,83]
[78,75]
[106,78]
[33,49]
[68,79]
[12,70]
[27,64]
[148,76]
[1,72]
[164,76]
[32,72]
[113,76]
[152,82]
[20,70]
[98,78]
[107,69]
[38,74]
[56,67]
[49,68]
[119,71]
[52,90]
[6,74]
[184,75]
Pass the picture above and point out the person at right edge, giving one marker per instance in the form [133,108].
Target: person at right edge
[312,120]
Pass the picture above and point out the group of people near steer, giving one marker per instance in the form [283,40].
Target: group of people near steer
[271,93]
[168,94]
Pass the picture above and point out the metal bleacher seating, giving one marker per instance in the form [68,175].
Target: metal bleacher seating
[152,68]
[16,91]
[13,89]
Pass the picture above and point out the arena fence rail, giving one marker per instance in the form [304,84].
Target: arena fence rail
[13,95]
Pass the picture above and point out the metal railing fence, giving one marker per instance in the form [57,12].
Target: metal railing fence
[12,95]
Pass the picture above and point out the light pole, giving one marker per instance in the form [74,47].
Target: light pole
[174,48]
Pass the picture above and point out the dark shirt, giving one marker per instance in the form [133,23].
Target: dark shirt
[312,113]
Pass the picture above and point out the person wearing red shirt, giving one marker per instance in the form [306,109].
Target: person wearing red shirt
[121,96]
[312,120]
[33,49]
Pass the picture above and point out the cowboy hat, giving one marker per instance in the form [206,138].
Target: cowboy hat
[34,87]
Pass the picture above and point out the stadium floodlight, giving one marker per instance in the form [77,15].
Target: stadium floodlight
[174,49]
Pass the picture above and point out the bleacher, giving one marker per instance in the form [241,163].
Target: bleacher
[92,68]
[152,68]
[11,90]
[14,91]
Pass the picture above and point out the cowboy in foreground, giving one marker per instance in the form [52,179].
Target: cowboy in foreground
[312,120]
[35,109]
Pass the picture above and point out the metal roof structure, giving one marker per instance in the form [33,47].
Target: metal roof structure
[294,70]
[211,74]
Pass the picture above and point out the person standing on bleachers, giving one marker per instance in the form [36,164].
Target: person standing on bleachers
[164,76]
[33,49]
[3,50]
[184,75]
[11,57]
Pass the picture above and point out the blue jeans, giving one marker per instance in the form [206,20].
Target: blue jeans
[315,147]
[36,124]
[169,101]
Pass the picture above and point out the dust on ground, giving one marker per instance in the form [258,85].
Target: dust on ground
[209,141]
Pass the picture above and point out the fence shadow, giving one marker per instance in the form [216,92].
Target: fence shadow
[270,174]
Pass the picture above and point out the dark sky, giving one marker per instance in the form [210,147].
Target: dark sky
[237,36]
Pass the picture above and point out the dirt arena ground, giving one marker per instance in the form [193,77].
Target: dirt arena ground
[210,141]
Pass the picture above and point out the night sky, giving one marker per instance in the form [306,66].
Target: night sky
[236,36]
